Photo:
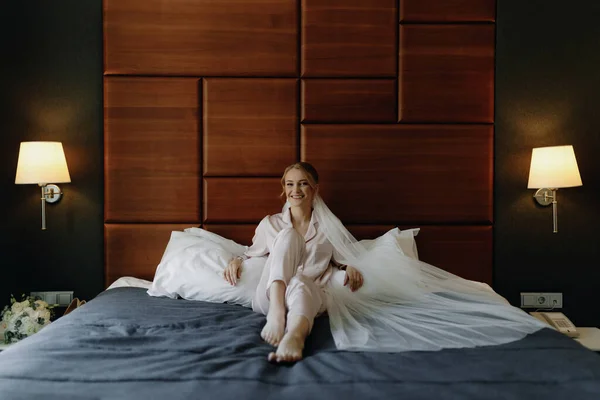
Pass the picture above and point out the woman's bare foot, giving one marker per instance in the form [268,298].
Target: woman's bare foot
[291,346]
[289,350]
[274,329]
[275,326]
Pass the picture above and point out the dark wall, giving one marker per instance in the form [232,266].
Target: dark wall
[548,93]
[51,89]
[547,89]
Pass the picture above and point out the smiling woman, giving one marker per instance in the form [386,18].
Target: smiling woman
[299,265]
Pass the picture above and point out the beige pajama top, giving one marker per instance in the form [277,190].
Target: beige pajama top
[317,261]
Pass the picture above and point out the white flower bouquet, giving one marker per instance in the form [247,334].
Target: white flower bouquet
[23,318]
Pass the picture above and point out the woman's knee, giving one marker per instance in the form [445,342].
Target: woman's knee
[289,237]
[289,233]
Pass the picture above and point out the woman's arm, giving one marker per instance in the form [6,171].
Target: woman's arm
[337,264]
[259,245]
[335,256]
[353,276]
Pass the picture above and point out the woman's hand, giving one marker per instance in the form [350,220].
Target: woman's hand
[233,271]
[353,277]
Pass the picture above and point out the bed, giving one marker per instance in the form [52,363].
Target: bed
[205,104]
[125,344]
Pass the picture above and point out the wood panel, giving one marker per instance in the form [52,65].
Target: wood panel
[152,150]
[447,10]
[246,200]
[349,100]
[462,250]
[403,173]
[373,176]
[136,249]
[351,38]
[466,251]
[201,37]
[446,73]
[250,126]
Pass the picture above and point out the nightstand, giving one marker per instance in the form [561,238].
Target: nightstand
[589,337]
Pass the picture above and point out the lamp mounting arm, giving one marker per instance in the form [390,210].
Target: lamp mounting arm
[545,197]
[51,193]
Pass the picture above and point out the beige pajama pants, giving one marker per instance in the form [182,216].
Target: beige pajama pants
[302,295]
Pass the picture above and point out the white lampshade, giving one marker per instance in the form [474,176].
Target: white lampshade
[553,167]
[42,162]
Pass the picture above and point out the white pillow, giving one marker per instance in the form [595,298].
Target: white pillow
[192,268]
[130,281]
[228,244]
[405,241]
[405,238]
[193,263]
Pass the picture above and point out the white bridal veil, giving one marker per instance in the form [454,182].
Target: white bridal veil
[406,304]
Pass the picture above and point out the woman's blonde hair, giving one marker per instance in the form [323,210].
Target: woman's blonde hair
[311,175]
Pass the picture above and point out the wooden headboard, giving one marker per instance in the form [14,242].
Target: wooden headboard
[206,102]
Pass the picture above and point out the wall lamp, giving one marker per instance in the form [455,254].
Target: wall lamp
[42,163]
[552,168]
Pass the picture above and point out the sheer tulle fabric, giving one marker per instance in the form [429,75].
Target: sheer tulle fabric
[406,304]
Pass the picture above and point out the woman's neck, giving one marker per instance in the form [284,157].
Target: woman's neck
[301,215]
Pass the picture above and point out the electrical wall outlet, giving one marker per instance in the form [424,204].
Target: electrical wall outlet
[541,300]
[60,299]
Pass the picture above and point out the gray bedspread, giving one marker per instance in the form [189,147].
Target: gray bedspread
[125,344]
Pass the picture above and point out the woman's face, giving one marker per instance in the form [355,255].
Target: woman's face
[297,189]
